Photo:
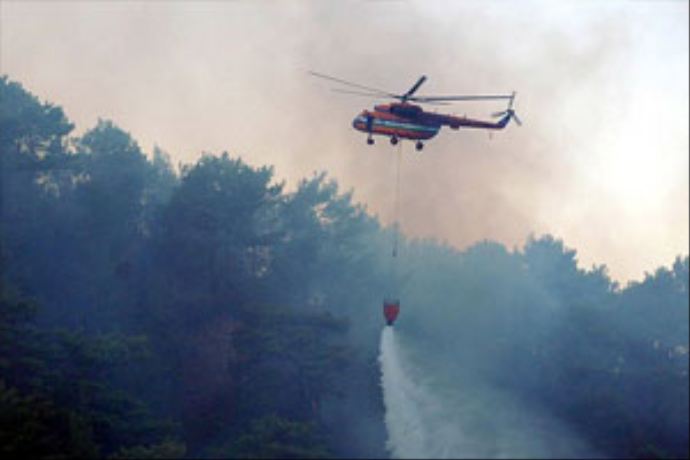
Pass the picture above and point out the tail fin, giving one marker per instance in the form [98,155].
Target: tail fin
[505,120]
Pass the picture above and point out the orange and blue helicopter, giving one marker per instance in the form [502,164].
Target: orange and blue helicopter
[404,120]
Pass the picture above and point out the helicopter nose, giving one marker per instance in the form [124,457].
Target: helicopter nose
[358,122]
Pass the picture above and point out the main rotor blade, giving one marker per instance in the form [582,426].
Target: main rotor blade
[354,85]
[360,93]
[415,87]
[458,98]
[382,95]
[434,102]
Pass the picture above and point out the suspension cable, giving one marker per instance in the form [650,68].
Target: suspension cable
[396,206]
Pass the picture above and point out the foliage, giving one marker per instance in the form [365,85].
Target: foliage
[165,449]
[286,362]
[207,311]
[56,392]
[275,437]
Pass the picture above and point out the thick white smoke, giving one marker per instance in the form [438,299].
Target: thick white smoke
[433,410]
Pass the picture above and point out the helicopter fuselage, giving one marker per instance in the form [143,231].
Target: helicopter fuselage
[410,121]
[404,121]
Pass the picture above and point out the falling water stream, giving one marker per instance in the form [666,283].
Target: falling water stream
[433,410]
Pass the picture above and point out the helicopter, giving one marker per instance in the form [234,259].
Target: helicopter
[405,120]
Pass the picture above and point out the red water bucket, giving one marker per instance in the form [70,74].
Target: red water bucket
[391,308]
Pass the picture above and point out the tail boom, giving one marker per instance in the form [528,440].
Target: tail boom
[454,122]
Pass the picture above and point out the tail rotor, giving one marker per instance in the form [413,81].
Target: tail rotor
[509,111]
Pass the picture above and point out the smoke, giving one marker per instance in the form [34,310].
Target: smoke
[596,84]
[435,409]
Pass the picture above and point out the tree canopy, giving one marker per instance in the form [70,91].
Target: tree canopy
[147,311]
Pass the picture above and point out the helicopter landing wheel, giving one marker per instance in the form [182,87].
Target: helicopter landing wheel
[419,146]
[370,141]
[394,140]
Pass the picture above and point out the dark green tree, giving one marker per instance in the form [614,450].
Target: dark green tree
[57,390]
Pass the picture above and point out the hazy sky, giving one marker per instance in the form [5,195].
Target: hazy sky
[601,160]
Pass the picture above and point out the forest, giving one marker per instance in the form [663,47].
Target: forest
[202,310]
